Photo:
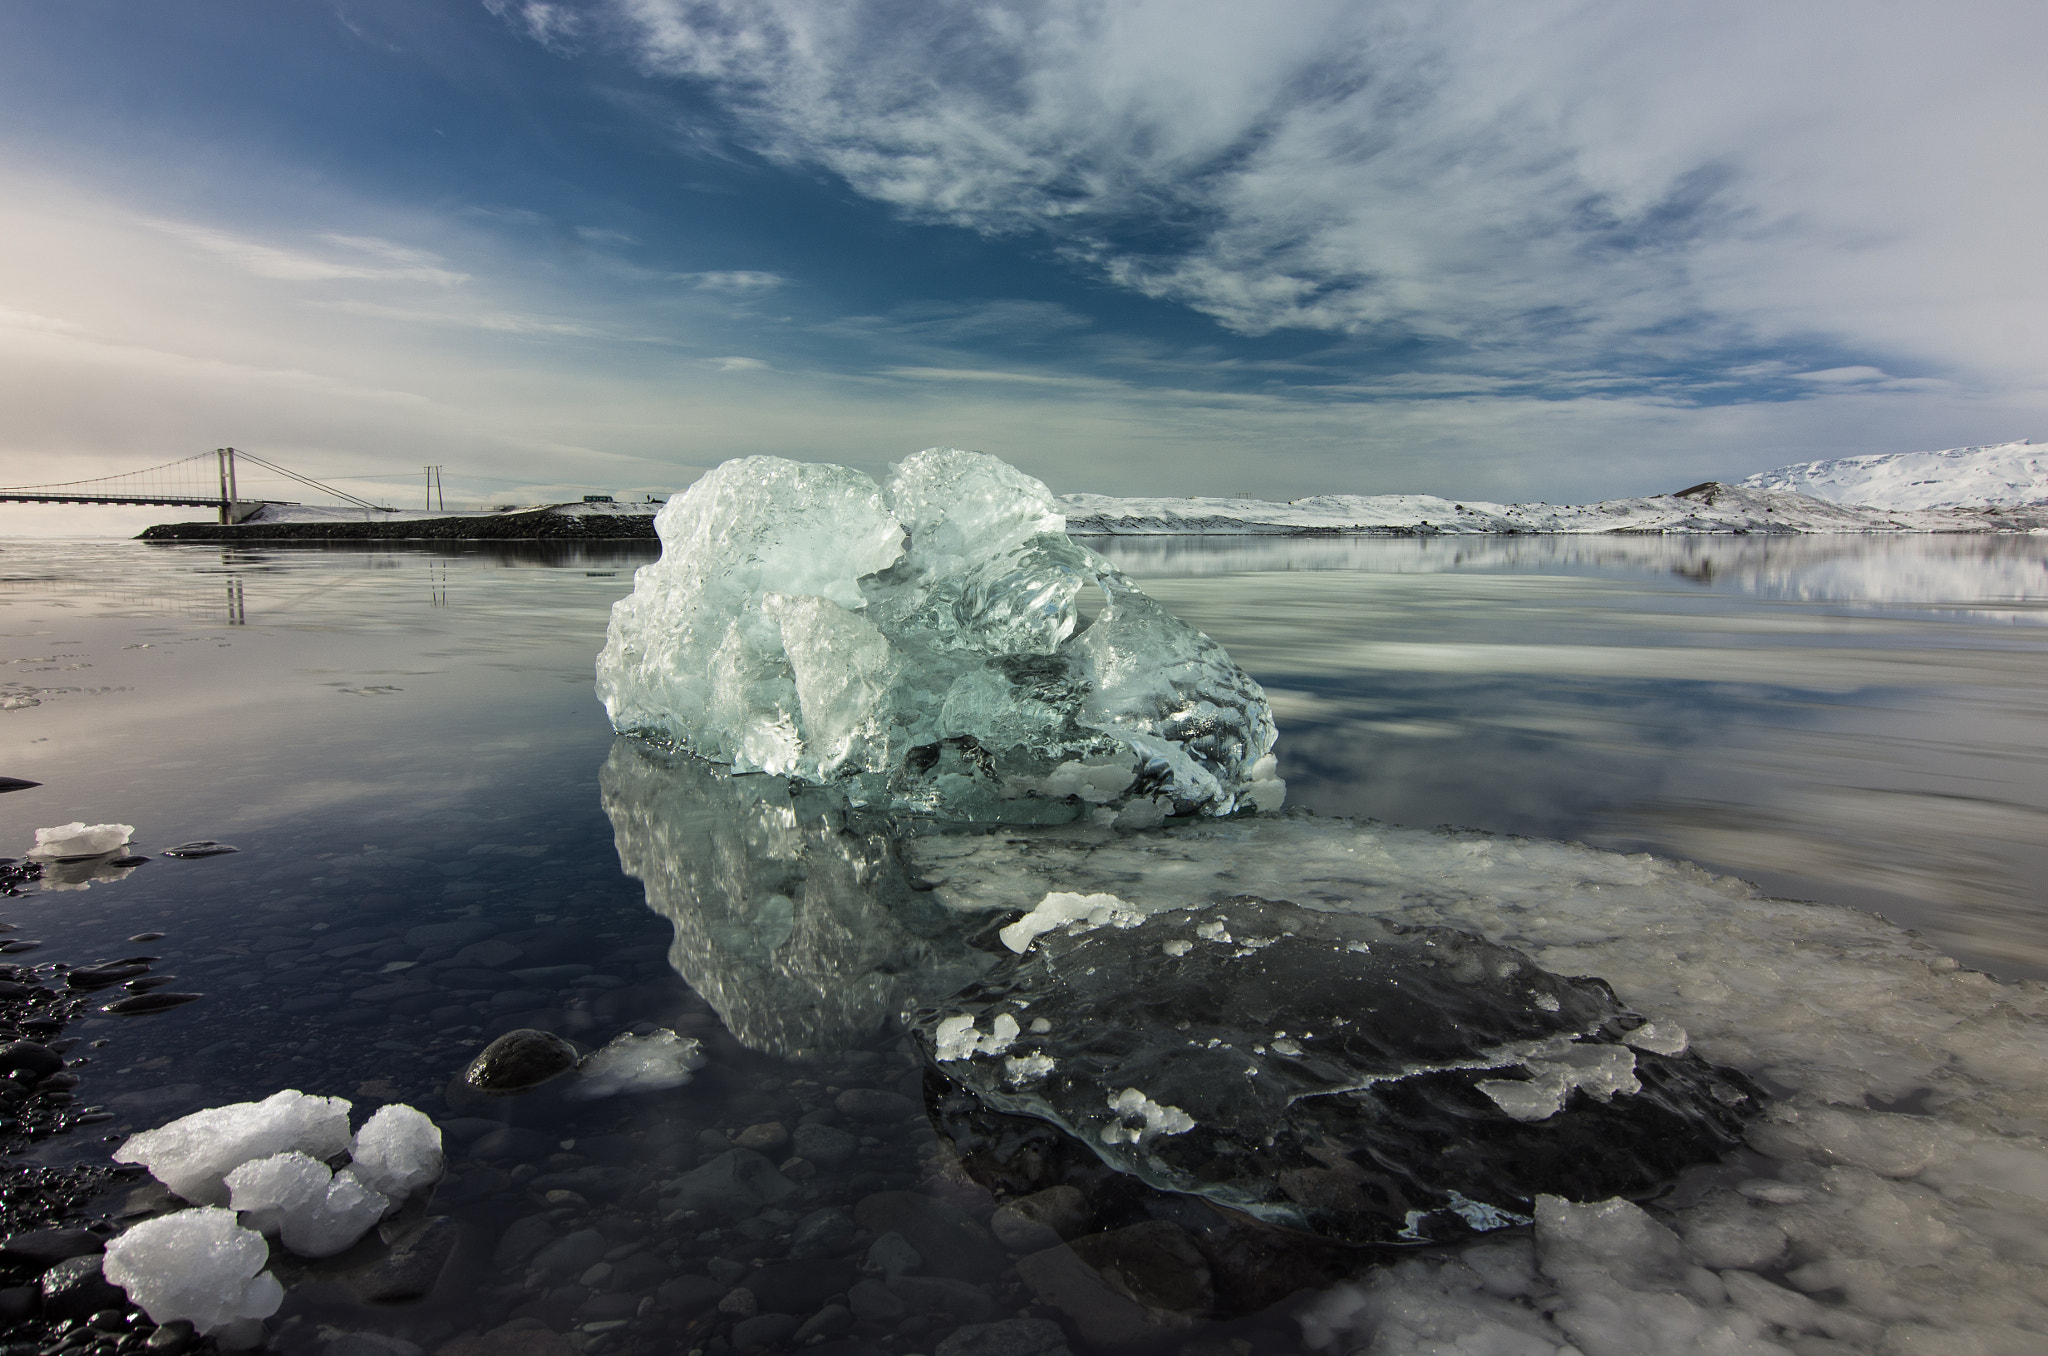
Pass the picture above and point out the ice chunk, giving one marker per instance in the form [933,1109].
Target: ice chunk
[660,1059]
[194,1154]
[1062,909]
[398,1151]
[196,1265]
[1252,1050]
[80,839]
[312,1211]
[923,642]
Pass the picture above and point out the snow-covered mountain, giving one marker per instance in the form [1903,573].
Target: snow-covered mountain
[2006,474]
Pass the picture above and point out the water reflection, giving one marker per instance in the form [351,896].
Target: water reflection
[803,931]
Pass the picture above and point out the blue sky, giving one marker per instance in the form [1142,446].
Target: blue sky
[1545,250]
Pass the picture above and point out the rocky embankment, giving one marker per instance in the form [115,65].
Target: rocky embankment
[537,525]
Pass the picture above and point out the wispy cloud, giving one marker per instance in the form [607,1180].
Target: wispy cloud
[738,364]
[740,281]
[399,264]
[1661,185]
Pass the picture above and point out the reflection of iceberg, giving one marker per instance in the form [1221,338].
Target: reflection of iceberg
[925,643]
[802,932]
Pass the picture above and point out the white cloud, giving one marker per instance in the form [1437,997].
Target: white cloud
[736,364]
[738,280]
[1570,180]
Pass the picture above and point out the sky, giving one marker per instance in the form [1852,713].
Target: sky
[1542,250]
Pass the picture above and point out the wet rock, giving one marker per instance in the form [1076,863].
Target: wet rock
[30,1059]
[512,1142]
[203,847]
[822,1233]
[639,1271]
[801,1287]
[592,1181]
[1006,1337]
[732,1186]
[1155,1263]
[76,1289]
[688,1295]
[892,1255]
[828,1146]
[937,1294]
[834,1320]
[40,1249]
[413,1266]
[369,1344]
[1104,1317]
[740,1302]
[20,1302]
[951,1243]
[1040,1220]
[520,1337]
[459,933]
[609,1308]
[767,1135]
[492,954]
[873,1302]
[520,1060]
[89,977]
[573,1253]
[170,1339]
[763,1330]
[875,1104]
[143,1004]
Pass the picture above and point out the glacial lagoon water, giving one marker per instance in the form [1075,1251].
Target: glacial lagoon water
[405,748]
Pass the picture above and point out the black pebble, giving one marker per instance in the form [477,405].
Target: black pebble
[105,976]
[37,1061]
[204,847]
[144,1003]
[519,1060]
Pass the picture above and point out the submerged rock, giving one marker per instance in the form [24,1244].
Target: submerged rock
[1366,1082]
[519,1061]
[925,643]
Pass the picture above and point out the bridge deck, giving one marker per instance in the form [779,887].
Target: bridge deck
[27,497]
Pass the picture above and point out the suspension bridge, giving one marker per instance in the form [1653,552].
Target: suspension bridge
[204,480]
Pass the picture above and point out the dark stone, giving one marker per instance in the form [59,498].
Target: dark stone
[41,1249]
[143,1004]
[688,1295]
[937,1294]
[602,1308]
[950,1243]
[593,1181]
[873,1302]
[75,1289]
[1155,1263]
[732,1186]
[103,976]
[27,1057]
[801,1287]
[513,1142]
[638,1272]
[874,1104]
[825,1145]
[20,1302]
[519,1060]
[413,1265]
[763,1330]
[834,1320]
[170,1339]
[1006,1337]
[822,1233]
[460,932]
[573,1254]
[521,1240]
[203,847]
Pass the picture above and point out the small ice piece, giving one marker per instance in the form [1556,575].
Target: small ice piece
[80,839]
[660,1059]
[398,1151]
[194,1154]
[957,1037]
[197,1265]
[1024,1068]
[313,1212]
[1600,1070]
[1659,1038]
[1180,946]
[1060,909]
[1040,1026]
[1133,1105]
[1212,932]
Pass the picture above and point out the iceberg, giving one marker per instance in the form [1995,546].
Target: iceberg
[937,645]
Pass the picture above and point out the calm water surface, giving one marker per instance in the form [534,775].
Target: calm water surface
[404,747]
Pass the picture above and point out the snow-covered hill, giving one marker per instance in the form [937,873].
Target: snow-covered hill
[2006,473]
[1711,507]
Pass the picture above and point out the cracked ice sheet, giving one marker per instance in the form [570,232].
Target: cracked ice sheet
[1861,1227]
